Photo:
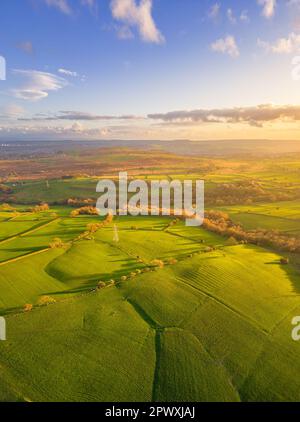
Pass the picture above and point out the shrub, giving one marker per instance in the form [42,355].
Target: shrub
[219,223]
[56,243]
[157,263]
[40,208]
[87,210]
[46,300]
[101,285]
[6,207]
[80,202]
[109,218]
[28,307]
[74,213]
[172,261]
[232,241]
[5,189]
[94,227]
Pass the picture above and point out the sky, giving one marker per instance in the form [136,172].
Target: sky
[149,69]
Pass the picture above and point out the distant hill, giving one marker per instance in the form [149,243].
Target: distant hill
[181,147]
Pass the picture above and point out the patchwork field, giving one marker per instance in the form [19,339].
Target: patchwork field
[281,216]
[180,316]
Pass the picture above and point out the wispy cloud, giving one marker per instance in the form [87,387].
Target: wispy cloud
[214,11]
[244,17]
[139,16]
[62,5]
[226,45]
[11,111]
[81,116]
[26,46]
[91,4]
[124,32]
[231,17]
[268,6]
[67,72]
[36,85]
[288,45]
[254,116]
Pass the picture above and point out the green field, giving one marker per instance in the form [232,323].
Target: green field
[280,216]
[214,325]
[55,191]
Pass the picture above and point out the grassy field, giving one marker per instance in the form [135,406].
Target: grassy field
[30,192]
[281,216]
[209,325]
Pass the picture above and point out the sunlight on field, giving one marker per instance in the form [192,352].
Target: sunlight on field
[199,327]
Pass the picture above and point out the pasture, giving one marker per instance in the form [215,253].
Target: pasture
[212,323]
[280,216]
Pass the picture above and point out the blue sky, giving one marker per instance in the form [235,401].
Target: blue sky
[150,69]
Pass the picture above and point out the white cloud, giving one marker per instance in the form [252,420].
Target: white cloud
[67,72]
[91,4]
[36,85]
[214,11]
[11,111]
[77,127]
[231,17]
[124,32]
[226,45]
[140,16]
[288,45]
[64,6]
[269,7]
[244,17]
[61,5]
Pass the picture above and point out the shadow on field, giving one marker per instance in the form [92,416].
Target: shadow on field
[89,281]
[276,262]
[292,270]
